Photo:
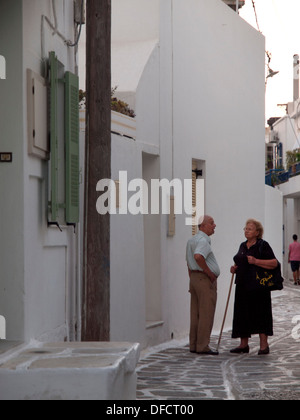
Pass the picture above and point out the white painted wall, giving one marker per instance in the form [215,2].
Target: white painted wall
[127,253]
[218,117]
[274,221]
[135,20]
[38,264]
[200,96]
[50,255]
[291,220]
[286,132]
[290,192]
[133,40]
[11,175]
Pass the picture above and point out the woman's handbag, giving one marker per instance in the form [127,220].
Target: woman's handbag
[269,279]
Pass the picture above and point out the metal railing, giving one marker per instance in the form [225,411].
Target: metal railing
[278,176]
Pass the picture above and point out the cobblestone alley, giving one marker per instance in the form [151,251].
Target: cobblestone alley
[171,372]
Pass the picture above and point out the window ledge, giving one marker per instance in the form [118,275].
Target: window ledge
[153,324]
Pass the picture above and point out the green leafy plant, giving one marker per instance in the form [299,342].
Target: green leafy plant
[120,106]
[292,157]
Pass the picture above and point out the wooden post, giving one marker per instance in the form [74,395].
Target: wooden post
[96,275]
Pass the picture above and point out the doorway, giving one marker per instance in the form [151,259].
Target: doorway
[152,254]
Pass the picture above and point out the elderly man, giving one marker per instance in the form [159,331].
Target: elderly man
[203,272]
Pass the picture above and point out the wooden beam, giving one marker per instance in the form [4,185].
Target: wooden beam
[96,276]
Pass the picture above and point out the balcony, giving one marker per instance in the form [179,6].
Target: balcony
[278,176]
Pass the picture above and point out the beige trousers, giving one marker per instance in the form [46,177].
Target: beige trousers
[203,306]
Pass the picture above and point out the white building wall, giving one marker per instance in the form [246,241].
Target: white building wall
[50,255]
[127,252]
[38,264]
[292,227]
[218,118]
[274,221]
[286,130]
[201,96]
[135,32]
[291,218]
[11,174]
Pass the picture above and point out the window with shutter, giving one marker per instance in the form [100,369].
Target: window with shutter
[194,198]
[64,144]
[172,217]
[72,147]
[198,192]
[53,204]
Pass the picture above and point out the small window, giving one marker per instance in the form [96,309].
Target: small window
[172,217]
[2,328]
[72,147]
[2,67]
[198,192]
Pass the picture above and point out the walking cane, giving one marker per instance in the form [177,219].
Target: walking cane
[228,299]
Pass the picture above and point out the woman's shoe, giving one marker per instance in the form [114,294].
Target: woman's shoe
[239,350]
[265,351]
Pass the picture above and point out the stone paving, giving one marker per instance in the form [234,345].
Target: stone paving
[171,372]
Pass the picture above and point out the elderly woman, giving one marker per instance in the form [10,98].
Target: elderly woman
[253,307]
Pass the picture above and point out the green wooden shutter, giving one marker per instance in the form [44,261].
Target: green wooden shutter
[53,205]
[72,147]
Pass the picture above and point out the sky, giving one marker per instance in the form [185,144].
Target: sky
[279,22]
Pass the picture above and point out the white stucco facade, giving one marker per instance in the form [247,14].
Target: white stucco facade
[38,263]
[287,130]
[40,280]
[200,97]
[194,71]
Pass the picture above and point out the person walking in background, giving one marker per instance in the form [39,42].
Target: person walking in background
[252,307]
[294,259]
[203,273]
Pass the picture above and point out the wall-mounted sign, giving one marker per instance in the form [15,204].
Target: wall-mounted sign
[5,157]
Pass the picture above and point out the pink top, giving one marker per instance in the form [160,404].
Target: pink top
[294,249]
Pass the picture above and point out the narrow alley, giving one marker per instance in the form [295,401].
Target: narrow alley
[173,373]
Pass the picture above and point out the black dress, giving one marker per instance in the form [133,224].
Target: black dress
[252,307]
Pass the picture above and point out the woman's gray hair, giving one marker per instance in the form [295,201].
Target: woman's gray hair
[258,225]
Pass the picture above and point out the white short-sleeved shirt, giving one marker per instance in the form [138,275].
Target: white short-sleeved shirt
[201,244]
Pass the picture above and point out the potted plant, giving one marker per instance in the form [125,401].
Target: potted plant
[292,158]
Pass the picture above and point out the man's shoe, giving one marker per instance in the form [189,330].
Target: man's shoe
[209,352]
[240,350]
